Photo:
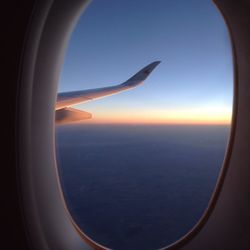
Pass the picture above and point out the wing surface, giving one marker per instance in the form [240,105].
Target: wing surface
[68,99]
[69,115]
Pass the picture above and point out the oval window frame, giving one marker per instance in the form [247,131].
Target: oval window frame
[31,88]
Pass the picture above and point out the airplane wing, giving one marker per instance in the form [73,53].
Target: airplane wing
[65,114]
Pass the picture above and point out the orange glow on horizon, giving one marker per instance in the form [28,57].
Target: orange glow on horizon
[209,114]
[191,117]
[172,122]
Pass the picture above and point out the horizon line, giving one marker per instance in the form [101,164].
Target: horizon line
[151,123]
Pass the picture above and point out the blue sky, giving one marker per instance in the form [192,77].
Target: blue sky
[115,38]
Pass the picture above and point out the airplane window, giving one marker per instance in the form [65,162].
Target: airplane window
[143,119]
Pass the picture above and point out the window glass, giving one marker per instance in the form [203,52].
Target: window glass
[138,173]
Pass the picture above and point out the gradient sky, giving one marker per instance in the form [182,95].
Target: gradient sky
[116,38]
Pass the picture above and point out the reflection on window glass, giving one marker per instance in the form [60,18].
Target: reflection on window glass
[138,168]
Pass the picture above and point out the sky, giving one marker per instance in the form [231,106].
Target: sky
[113,39]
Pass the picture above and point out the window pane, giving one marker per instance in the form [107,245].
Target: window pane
[139,172]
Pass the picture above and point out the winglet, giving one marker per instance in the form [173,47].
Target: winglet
[140,76]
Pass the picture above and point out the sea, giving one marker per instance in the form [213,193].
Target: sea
[139,187]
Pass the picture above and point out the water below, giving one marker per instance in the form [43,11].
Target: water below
[138,187]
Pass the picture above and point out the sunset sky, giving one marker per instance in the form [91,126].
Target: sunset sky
[116,38]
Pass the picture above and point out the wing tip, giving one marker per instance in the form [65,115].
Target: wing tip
[142,75]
